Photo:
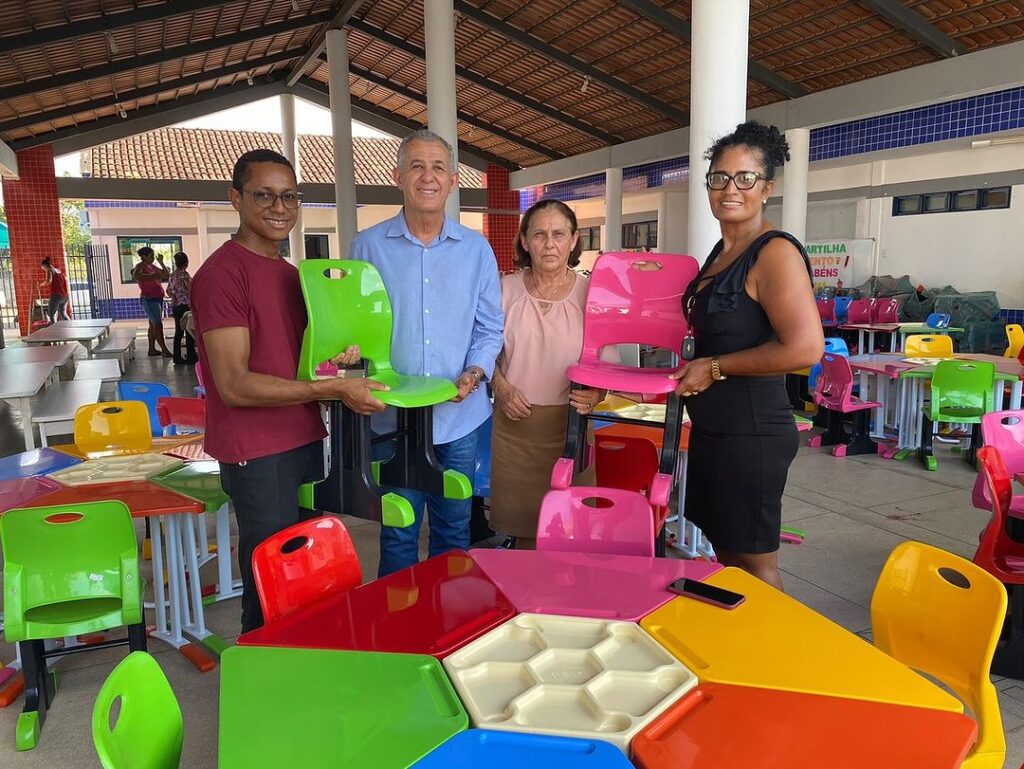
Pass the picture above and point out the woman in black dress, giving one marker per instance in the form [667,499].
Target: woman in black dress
[752,313]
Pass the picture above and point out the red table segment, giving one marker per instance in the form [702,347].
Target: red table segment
[432,608]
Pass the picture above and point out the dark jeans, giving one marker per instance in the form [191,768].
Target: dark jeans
[265,495]
[179,311]
[58,308]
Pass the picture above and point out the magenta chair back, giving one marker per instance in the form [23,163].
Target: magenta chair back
[835,385]
[590,519]
[826,310]
[886,311]
[636,299]
[859,311]
[1005,431]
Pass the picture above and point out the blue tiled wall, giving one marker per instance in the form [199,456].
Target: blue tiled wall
[124,309]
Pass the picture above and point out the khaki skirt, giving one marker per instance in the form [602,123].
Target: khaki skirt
[522,455]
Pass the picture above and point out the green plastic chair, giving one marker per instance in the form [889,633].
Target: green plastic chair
[68,571]
[149,730]
[347,304]
[962,391]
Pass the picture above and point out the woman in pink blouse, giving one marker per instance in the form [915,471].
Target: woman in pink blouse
[543,303]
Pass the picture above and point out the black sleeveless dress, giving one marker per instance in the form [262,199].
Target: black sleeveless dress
[743,435]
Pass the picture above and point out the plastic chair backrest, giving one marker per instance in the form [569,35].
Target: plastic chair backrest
[114,427]
[302,563]
[149,730]
[1005,431]
[69,566]
[938,320]
[347,304]
[590,519]
[148,393]
[942,615]
[886,311]
[826,310]
[482,464]
[1015,340]
[835,385]
[859,311]
[842,307]
[928,346]
[627,304]
[960,385]
[833,344]
[181,412]
[625,463]
[995,545]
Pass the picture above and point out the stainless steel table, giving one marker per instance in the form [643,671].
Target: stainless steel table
[18,383]
[68,331]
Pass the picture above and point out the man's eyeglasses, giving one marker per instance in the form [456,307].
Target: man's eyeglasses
[744,180]
[263,199]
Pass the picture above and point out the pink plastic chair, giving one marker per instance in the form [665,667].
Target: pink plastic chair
[200,391]
[859,311]
[886,311]
[827,311]
[835,393]
[590,519]
[1005,431]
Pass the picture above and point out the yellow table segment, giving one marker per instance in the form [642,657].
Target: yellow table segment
[772,641]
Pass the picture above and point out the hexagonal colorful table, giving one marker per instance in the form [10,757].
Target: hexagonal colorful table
[20,492]
[479,748]
[34,462]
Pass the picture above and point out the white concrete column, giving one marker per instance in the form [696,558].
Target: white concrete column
[663,225]
[439,36]
[718,101]
[341,128]
[794,183]
[204,234]
[290,142]
[612,210]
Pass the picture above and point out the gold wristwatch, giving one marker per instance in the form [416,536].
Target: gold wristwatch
[716,371]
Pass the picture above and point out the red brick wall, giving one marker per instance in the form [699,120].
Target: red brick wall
[33,216]
[501,221]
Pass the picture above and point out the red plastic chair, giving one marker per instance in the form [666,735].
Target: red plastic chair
[859,311]
[1003,558]
[827,311]
[303,563]
[1005,431]
[886,311]
[835,394]
[200,391]
[629,464]
[181,413]
[589,519]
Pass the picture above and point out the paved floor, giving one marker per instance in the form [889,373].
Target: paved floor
[854,511]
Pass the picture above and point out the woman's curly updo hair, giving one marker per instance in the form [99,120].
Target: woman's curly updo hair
[767,140]
[522,256]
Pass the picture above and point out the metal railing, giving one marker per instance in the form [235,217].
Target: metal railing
[89,286]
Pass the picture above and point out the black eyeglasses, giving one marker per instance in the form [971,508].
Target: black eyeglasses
[744,180]
[263,199]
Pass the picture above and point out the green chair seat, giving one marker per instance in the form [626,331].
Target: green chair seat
[959,413]
[410,392]
[105,612]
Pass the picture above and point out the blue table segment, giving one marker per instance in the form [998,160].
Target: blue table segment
[483,749]
[34,462]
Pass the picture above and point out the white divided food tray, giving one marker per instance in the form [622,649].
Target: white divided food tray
[136,467]
[569,676]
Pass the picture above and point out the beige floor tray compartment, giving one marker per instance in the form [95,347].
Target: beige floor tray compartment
[134,467]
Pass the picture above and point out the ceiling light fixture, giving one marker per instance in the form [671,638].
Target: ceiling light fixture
[111,42]
[121,112]
[248,77]
[586,84]
[980,143]
[295,5]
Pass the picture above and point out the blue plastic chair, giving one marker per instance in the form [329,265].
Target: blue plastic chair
[833,344]
[842,308]
[149,393]
[475,748]
[938,320]
[482,477]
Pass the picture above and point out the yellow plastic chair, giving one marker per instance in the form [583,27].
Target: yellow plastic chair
[1015,338]
[942,615]
[112,428]
[928,346]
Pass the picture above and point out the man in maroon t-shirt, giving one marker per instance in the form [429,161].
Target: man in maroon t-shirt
[261,424]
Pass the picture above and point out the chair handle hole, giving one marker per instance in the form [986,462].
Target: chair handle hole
[335,273]
[612,446]
[59,518]
[598,502]
[646,265]
[1010,421]
[112,410]
[293,544]
[954,577]
[114,714]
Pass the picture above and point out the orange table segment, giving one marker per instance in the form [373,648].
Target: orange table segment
[717,726]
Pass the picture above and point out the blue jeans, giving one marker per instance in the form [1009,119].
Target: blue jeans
[449,518]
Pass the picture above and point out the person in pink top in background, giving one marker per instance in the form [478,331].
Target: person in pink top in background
[149,276]
[543,304]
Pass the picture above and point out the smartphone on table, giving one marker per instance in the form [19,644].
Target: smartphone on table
[702,591]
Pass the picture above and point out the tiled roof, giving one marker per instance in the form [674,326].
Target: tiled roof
[204,154]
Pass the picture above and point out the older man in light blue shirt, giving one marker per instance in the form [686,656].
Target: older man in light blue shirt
[442,279]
